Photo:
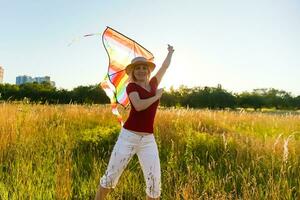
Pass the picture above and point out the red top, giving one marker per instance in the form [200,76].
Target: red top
[142,121]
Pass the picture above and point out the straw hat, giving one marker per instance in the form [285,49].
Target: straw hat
[138,61]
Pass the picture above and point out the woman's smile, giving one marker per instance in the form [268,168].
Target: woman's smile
[141,73]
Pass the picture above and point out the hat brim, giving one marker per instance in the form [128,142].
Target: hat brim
[130,67]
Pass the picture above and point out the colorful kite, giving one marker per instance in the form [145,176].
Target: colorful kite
[121,50]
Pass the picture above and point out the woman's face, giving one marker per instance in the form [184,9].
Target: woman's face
[141,72]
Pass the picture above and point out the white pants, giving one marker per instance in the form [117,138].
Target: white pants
[145,147]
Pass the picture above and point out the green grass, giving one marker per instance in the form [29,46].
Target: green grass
[60,152]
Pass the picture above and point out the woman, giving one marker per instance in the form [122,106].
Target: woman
[136,136]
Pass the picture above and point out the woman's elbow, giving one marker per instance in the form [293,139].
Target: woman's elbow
[138,107]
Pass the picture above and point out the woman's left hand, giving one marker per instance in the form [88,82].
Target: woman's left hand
[170,49]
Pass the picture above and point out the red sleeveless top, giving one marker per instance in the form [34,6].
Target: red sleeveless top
[142,121]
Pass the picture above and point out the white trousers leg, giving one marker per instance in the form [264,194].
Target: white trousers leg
[145,147]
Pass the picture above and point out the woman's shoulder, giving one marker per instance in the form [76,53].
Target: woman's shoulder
[153,78]
[153,81]
[131,84]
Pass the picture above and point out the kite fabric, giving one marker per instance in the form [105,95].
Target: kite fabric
[121,50]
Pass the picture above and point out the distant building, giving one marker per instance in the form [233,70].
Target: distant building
[42,79]
[1,74]
[23,79]
[28,79]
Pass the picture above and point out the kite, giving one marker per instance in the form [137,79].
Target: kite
[120,50]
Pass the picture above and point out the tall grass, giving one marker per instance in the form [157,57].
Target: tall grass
[61,151]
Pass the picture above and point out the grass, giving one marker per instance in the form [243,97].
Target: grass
[61,151]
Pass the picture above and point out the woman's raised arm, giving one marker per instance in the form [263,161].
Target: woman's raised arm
[165,64]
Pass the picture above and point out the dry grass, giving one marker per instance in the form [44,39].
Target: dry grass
[60,152]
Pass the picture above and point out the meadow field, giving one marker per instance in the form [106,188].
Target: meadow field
[61,151]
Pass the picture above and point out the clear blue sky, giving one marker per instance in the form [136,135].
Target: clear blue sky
[242,45]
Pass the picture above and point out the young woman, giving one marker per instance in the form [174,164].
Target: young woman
[136,136]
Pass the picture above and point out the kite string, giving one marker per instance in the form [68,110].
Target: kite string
[76,39]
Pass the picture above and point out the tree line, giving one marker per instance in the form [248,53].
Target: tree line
[196,97]
[219,98]
[46,93]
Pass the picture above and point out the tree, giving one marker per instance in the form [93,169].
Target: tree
[248,100]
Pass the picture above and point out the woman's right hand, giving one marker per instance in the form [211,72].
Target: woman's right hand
[159,92]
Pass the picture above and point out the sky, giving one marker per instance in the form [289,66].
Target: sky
[242,45]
